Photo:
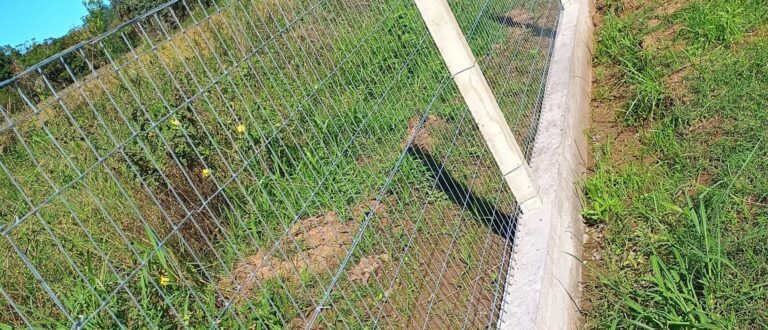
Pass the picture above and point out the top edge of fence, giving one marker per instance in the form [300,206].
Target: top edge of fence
[83,43]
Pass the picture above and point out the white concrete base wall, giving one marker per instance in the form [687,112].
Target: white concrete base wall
[543,282]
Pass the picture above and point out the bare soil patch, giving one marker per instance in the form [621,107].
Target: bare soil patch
[424,137]
[367,266]
[624,141]
[462,292]
[315,244]
[441,289]
[663,39]
[671,7]
[676,85]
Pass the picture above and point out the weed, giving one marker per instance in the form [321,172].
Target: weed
[167,166]
[619,41]
[676,245]
[721,22]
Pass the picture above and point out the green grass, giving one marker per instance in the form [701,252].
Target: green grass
[681,216]
[326,104]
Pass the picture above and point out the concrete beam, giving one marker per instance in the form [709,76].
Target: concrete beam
[469,79]
[543,283]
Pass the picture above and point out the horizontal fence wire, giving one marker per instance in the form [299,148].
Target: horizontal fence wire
[265,164]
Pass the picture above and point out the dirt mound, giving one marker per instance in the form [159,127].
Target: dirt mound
[366,267]
[424,137]
[315,244]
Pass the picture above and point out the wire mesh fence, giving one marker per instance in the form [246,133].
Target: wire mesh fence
[264,164]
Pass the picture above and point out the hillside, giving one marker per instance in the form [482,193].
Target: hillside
[272,138]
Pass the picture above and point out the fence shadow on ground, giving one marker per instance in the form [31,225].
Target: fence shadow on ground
[501,223]
[536,29]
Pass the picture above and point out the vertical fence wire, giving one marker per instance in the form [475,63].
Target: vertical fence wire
[268,164]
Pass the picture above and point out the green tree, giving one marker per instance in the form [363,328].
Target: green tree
[8,58]
[99,18]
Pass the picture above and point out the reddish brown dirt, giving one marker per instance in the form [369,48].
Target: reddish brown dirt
[663,38]
[676,85]
[605,128]
[366,267]
[460,292]
[439,289]
[671,7]
[324,242]
[520,16]
[423,139]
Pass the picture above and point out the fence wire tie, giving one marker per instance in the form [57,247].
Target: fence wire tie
[504,175]
[474,64]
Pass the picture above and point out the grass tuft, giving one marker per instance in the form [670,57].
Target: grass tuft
[678,236]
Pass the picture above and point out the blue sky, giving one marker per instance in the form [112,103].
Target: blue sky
[23,20]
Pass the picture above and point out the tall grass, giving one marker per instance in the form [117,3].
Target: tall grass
[135,189]
[679,221]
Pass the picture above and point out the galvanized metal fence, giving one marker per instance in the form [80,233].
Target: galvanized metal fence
[265,164]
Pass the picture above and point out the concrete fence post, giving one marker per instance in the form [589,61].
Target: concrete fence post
[454,49]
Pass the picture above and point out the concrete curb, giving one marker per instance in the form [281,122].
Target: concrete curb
[543,283]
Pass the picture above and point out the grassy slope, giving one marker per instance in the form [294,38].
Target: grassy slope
[678,196]
[341,134]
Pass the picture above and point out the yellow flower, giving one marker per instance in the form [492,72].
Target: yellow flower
[175,122]
[240,128]
[206,173]
[164,280]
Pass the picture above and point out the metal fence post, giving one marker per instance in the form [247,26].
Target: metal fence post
[461,63]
